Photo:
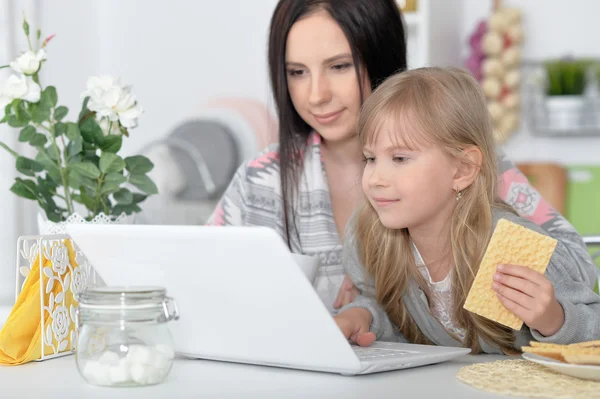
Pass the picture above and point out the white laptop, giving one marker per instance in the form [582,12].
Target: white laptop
[241,297]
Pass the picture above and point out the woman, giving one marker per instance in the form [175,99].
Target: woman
[307,186]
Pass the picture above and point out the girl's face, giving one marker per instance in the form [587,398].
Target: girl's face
[321,77]
[409,188]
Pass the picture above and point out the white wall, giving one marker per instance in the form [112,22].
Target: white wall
[8,202]
[553,28]
[176,54]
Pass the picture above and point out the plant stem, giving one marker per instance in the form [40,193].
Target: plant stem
[43,127]
[13,153]
[63,170]
[98,194]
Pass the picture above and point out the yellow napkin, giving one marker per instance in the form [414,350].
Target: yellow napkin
[21,336]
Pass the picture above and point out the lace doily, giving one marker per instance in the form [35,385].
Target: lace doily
[48,227]
[526,379]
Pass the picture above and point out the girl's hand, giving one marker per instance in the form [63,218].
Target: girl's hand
[355,324]
[346,294]
[530,296]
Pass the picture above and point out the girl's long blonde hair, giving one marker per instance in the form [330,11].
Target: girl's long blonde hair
[447,109]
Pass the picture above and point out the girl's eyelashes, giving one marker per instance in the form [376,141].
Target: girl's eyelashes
[368,159]
[400,159]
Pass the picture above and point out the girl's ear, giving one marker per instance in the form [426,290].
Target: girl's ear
[468,167]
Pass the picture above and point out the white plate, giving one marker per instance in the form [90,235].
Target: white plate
[574,370]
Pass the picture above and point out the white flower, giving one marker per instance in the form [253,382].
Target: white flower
[106,124]
[29,62]
[60,322]
[20,87]
[109,99]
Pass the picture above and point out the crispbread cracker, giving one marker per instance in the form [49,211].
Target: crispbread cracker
[537,344]
[510,244]
[587,344]
[555,352]
[579,353]
[582,355]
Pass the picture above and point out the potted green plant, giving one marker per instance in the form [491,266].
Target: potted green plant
[566,84]
[77,174]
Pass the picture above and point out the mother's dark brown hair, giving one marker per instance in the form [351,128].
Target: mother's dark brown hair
[375,32]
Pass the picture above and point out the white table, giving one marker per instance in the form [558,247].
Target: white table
[58,378]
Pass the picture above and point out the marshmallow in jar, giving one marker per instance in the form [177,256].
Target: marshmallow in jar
[123,336]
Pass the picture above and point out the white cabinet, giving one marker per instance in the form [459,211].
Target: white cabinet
[433,34]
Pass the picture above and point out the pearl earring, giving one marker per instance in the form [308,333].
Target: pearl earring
[459,193]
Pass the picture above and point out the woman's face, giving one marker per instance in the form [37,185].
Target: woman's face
[321,77]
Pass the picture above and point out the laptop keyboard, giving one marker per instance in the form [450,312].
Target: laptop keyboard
[366,353]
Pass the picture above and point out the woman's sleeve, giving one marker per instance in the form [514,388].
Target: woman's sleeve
[255,182]
[231,208]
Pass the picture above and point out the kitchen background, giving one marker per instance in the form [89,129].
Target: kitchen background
[199,70]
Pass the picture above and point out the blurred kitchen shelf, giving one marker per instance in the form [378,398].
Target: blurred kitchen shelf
[566,150]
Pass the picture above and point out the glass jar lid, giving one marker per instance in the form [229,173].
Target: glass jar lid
[129,298]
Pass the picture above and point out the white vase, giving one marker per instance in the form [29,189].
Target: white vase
[46,226]
[565,112]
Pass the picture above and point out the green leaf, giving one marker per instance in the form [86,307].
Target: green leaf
[28,166]
[77,181]
[52,151]
[90,156]
[91,132]
[39,113]
[84,109]
[109,188]
[110,162]
[25,188]
[14,122]
[112,143]
[49,96]
[39,140]
[85,169]
[137,198]
[46,185]
[72,131]
[20,110]
[60,113]
[49,164]
[74,147]
[139,164]
[7,113]
[128,209]
[87,200]
[27,134]
[89,147]
[116,178]
[124,196]
[144,183]
[60,129]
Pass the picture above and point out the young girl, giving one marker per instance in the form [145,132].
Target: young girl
[430,180]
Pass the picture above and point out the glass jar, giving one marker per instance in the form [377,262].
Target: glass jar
[123,337]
